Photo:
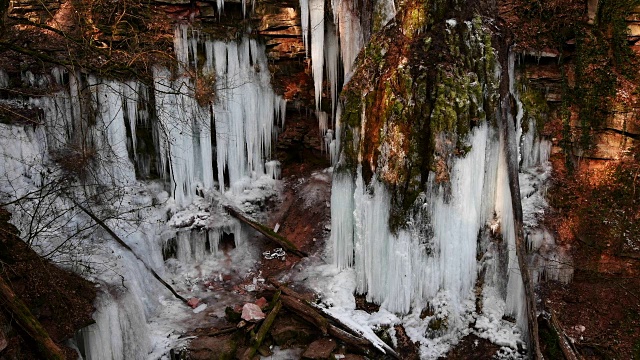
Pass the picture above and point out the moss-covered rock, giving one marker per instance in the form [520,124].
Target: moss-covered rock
[435,79]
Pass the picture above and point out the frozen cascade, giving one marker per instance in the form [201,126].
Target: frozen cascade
[515,304]
[245,113]
[121,329]
[246,109]
[388,267]
[342,206]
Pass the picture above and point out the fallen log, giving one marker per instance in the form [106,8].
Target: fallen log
[359,343]
[25,320]
[262,332]
[306,312]
[357,338]
[121,242]
[563,339]
[270,234]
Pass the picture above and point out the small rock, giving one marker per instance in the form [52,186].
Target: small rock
[3,341]
[252,312]
[200,308]
[262,302]
[320,349]
[193,302]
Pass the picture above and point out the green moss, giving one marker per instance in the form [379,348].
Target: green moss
[419,79]
[602,59]
[534,105]
[549,340]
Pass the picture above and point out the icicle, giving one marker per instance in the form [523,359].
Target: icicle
[331,54]
[181,45]
[273,169]
[316,8]
[130,93]
[323,122]
[351,37]
[304,23]
[386,270]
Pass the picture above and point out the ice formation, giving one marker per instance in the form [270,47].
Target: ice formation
[435,261]
[316,16]
[400,270]
[346,16]
[113,135]
[241,121]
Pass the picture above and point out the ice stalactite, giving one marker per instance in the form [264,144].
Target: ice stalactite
[515,303]
[304,23]
[194,245]
[346,16]
[179,114]
[332,59]
[316,15]
[273,169]
[342,227]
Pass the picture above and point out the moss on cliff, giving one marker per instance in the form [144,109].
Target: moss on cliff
[433,76]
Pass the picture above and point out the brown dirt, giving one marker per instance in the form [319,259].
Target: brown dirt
[302,213]
[60,300]
[473,347]
[596,212]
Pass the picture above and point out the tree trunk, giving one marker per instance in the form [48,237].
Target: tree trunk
[121,242]
[23,317]
[288,245]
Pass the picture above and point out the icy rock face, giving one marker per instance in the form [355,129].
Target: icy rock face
[460,222]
